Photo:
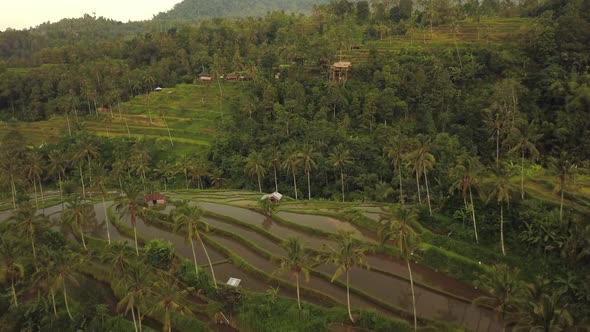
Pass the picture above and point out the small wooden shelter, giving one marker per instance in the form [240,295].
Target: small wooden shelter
[274,197]
[340,71]
[205,77]
[154,199]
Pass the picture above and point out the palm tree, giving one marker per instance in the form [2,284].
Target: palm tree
[140,160]
[77,214]
[466,176]
[307,156]
[84,152]
[291,164]
[46,275]
[566,171]
[185,164]
[167,171]
[188,218]
[340,157]
[100,182]
[422,160]
[400,221]
[501,192]
[28,223]
[10,269]
[346,256]
[131,203]
[395,150]
[66,264]
[11,173]
[34,167]
[199,171]
[57,164]
[542,310]
[255,167]
[116,255]
[274,155]
[503,287]
[138,287]
[295,262]
[522,138]
[170,299]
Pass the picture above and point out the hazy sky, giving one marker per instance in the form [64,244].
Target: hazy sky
[21,14]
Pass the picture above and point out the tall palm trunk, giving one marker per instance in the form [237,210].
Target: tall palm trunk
[209,261]
[427,192]
[41,190]
[497,148]
[401,188]
[13,191]
[342,182]
[139,318]
[297,284]
[418,187]
[561,205]
[104,206]
[295,184]
[16,299]
[89,170]
[66,301]
[413,295]
[502,229]
[53,302]
[522,175]
[135,238]
[35,187]
[348,297]
[61,191]
[33,245]
[186,179]
[68,121]
[82,234]
[308,187]
[82,181]
[259,185]
[194,255]
[473,215]
[133,316]
[276,182]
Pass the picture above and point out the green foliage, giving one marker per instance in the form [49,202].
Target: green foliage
[159,253]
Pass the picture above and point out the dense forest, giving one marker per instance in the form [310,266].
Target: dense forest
[441,110]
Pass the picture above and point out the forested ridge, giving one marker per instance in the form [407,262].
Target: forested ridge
[473,116]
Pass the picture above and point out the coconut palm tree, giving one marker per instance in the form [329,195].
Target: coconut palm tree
[187,218]
[274,158]
[542,309]
[503,287]
[66,264]
[137,288]
[400,221]
[167,171]
[255,167]
[291,164]
[78,214]
[140,161]
[11,172]
[10,269]
[501,192]
[101,180]
[522,137]
[466,177]
[46,275]
[170,298]
[395,151]
[422,161]
[117,256]
[184,166]
[34,168]
[57,165]
[85,151]
[346,256]
[199,172]
[131,204]
[566,171]
[340,157]
[295,262]
[307,156]
[28,223]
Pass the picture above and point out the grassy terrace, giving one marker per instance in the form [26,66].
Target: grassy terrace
[193,112]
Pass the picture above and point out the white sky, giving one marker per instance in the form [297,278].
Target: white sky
[22,14]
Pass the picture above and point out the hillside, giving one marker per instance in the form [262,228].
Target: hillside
[192,9]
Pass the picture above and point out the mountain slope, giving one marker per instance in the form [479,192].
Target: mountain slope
[191,9]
